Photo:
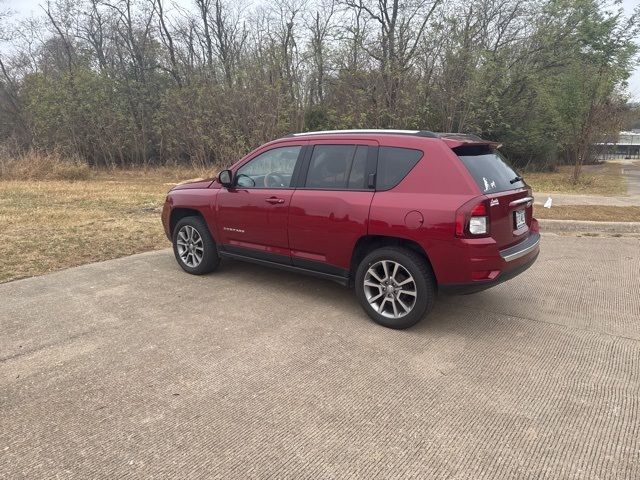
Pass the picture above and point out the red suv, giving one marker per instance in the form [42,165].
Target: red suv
[398,214]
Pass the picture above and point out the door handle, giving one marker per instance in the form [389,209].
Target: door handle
[274,200]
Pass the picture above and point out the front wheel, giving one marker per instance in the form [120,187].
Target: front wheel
[194,247]
[395,286]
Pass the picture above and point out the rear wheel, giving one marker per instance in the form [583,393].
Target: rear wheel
[395,286]
[194,247]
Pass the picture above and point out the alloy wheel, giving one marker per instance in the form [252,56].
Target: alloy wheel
[390,289]
[190,246]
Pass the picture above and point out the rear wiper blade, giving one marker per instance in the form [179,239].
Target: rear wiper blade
[516,179]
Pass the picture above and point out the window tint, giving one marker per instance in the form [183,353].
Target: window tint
[489,169]
[393,165]
[271,169]
[337,167]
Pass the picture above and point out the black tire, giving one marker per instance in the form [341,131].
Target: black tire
[210,259]
[423,280]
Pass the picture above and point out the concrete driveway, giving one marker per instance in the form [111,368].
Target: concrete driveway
[131,368]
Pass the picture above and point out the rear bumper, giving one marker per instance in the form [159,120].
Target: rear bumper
[520,250]
[514,260]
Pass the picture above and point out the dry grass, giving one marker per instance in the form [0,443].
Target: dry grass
[598,213]
[603,179]
[35,165]
[54,224]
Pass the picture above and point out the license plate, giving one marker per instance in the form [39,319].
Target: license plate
[520,219]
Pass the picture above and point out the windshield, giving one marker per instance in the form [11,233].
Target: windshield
[490,170]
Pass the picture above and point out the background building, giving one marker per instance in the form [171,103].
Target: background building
[627,145]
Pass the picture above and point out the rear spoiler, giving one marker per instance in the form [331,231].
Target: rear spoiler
[454,140]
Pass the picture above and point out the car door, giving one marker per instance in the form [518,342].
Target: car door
[252,215]
[330,208]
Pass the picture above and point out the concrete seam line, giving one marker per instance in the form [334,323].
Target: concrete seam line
[566,327]
[588,222]
[589,226]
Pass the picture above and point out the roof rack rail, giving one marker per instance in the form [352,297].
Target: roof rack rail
[417,133]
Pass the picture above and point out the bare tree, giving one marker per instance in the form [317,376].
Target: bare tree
[401,27]
[230,35]
[320,26]
[166,36]
[204,10]
[59,16]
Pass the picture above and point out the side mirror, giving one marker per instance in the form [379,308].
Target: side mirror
[225,177]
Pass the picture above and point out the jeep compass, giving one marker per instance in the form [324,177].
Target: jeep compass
[399,215]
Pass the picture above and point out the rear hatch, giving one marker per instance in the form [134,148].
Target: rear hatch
[510,203]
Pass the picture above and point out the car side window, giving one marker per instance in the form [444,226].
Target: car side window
[271,169]
[337,167]
[394,164]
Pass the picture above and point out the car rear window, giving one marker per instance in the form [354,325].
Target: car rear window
[393,165]
[490,170]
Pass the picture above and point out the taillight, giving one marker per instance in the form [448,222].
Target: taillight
[472,219]
[479,221]
[479,210]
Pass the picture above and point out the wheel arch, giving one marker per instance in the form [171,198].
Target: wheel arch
[179,213]
[369,243]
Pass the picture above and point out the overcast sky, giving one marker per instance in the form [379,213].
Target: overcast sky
[25,7]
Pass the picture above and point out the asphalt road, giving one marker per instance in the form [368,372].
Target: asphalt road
[132,369]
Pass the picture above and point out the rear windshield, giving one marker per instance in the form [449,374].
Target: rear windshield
[489,169]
